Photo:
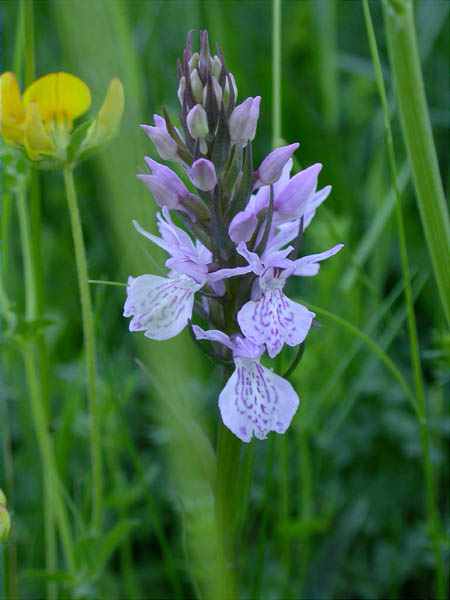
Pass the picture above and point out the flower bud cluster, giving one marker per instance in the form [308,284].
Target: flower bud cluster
[230,261]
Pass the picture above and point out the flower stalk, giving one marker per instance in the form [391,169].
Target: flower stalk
[89,344]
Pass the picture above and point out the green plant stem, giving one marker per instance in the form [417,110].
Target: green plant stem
[306,502]
[53,505]
[89,346]
[417,132]
[53,495]
[276,73]
[324,12]
[434,525]
[37,395]
[228,453]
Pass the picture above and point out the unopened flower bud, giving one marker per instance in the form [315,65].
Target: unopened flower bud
[166,146]
[197,122]
[193,61]
[227,91]
[243,121]
[216,89]
[165,185]
[197,86]
[272,166]
[5,519]
[216,66]
[203,175]
[181,89]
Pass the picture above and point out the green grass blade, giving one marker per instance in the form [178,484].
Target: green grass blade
[416,128]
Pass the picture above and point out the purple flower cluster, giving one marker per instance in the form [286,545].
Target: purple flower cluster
[244,228]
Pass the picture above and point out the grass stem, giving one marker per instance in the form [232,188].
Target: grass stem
[53,505]
[418,136]
[89,345]
[276,73]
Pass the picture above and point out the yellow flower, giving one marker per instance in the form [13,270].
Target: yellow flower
[12,111]
[60,97]
[42,120]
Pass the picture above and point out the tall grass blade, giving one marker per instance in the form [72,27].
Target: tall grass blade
[417,132]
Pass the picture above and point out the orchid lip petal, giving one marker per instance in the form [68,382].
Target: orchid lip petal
[256,401]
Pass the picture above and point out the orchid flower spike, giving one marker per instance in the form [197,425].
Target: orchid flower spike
[235,222]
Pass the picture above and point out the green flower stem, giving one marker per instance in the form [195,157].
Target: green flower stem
[434,525]
[51,481]
[306,503]
[276,73]
[53,506]
[228,455]
[89,345]
[416,128]
[37,396]
[228,480]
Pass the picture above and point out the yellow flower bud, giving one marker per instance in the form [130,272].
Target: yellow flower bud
[5,519]
[109,116]
[12,112]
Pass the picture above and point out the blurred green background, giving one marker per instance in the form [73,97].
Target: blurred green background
[336,506]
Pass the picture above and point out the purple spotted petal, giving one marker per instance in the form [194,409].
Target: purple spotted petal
[274,320]
[160,306]
[256,401]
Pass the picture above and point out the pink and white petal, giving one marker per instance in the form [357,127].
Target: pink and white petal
[153,238]
[160,306]
[212,335]
[222,274]
[313,204]
[251,257]
[242,226]
[282,234]
[256,401]
[309,265]
[275,320]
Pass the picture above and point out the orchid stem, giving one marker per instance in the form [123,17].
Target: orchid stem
[228,452]
[89,346]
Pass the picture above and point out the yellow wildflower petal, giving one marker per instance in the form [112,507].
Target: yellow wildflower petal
[37,140]
[60,96]
[12,112]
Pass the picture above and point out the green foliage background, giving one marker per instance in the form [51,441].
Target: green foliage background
[336,507]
